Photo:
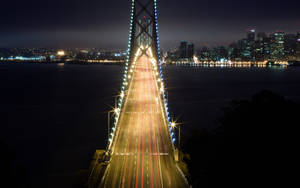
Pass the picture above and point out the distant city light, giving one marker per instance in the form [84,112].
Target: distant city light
[117,55]
[85,51]
[61,53]
[21,58]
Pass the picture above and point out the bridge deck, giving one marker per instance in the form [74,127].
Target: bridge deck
[142,152]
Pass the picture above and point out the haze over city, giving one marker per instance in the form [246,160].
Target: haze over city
[104,24]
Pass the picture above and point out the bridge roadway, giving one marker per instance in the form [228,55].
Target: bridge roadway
[142,152]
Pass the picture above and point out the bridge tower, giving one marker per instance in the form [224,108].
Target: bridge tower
[143,32]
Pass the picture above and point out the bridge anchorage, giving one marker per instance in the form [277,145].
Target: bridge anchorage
[140,150]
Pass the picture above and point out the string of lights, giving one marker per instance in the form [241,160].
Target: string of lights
[161,79]
[117,110]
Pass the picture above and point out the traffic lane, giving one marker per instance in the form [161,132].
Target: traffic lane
[154,146]
[117,161]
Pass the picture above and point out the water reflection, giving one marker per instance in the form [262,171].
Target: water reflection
[231,64]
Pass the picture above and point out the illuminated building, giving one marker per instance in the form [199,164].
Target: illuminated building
[219,54]
[246,50]
[234,52]
[261,47]
[190,50]
[290,46]
[298,46]
[249,51]
[258,50]
[277,46]
[266,47]
[183,50]
[61,53]
[204,54]
[261,36]
[251,35]
[246,46]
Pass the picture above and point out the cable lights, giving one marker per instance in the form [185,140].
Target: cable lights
[117,111]
[160,80]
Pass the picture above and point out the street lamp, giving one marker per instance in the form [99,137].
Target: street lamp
[176,125]
[121,95]
[173,125]
[108,123]
[115,111]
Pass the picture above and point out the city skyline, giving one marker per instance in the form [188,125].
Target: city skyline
[93,24]
[254,47]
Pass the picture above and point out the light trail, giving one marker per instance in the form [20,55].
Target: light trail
[142,150]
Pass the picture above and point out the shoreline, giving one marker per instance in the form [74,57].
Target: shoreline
[61,62]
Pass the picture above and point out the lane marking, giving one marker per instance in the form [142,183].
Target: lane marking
[140,154]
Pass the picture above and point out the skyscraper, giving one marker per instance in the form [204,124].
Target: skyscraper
[277,46]
[247,46]
[205,54]
[251,35]
[266,47]
[261,36]
[183,49]
[234,52]
[190,50]
[298,46]
[258,50]
[245,49]
[290,46]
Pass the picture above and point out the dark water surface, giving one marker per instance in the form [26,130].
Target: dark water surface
[54,117]
[197,94]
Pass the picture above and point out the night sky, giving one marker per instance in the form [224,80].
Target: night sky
[105,23]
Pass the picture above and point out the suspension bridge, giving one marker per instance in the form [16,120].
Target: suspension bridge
[141,150]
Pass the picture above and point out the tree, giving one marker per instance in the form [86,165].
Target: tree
[256,140]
